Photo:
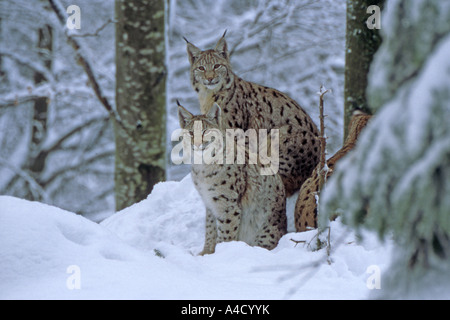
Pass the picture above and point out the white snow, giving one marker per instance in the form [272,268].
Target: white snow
[49,253]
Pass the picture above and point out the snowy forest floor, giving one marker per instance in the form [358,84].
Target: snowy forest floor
[148,251]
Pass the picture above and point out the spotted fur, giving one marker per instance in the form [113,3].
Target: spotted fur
[247,105]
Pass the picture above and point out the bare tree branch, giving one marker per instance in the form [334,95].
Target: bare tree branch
[323,141]
[82,163]
[20,100]
[28,63]
[97,32]
[37,191]
[49,147]
[16,98]
[85,64]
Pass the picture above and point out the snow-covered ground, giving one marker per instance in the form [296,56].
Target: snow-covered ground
[148,251]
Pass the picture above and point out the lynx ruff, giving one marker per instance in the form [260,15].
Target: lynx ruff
[209,147]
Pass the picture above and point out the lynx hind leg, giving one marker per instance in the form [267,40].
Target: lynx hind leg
[305,214]
[276,224]
[210,233]
[299,155]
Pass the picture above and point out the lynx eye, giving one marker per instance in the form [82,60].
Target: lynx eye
[190,133]
[217,66]
[201,68]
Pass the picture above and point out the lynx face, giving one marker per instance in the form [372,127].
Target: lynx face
[204,131]
[210,69]
[210,74]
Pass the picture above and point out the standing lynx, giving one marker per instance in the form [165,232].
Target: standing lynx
[248,105]
[241,204]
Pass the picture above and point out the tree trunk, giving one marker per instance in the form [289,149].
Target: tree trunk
[140,99]
[40,115]
[2,72]
[361,45]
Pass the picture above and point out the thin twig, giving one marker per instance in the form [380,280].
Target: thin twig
[297,241]
[20,100]
[97,32]
[323,167]
[35,188]
[323,141]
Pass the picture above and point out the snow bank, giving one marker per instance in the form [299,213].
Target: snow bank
[40,243]
[49,253]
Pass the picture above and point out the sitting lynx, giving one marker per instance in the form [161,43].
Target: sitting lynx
[247,105]
[305,214]
[241,204]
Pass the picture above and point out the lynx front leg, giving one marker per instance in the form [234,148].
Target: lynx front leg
[210,233]
[228,221]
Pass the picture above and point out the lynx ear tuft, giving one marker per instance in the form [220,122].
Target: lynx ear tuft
[183,115]
[222,47]
[193,52]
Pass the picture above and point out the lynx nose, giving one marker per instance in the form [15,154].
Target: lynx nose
[209,76]
[198,143]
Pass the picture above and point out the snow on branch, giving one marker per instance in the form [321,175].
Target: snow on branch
[323,140]
[82,60]
[17,100]
[14,99]
[36,66]
[35,188]
[97,32]
[75,167]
